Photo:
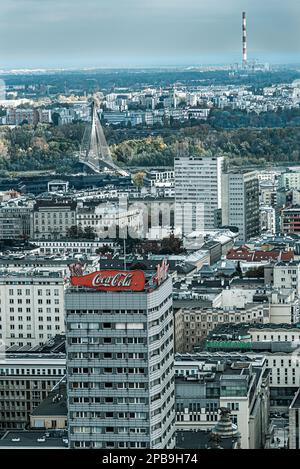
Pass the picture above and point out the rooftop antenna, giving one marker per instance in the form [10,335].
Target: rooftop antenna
[124,248]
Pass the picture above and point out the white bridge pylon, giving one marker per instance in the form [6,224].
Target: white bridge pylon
[94,150]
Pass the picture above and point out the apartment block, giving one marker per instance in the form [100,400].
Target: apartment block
[120,362]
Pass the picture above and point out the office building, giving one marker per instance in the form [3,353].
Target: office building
[120,363]
[32,306]
[15,222]
[206,382]
[27,375]
[198,192]
[240,203]
[278,343]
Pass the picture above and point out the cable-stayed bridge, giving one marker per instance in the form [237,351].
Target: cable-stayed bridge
[94,150]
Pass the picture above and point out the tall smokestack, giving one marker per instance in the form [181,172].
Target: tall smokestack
[244,39]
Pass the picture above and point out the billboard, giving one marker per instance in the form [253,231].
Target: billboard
[111,280]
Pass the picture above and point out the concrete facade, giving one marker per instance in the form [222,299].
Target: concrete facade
[120,368]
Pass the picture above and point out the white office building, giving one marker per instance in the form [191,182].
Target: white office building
[31,306]
[198,191]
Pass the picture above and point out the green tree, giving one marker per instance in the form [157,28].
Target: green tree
[89,232]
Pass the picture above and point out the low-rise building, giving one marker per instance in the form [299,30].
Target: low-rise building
[52,218]
[194,324]
[246,254]
[15,222]
[279,343]
[287,276]
[72,246]
[27,375]
[108,220]
[52,412]
[205,382]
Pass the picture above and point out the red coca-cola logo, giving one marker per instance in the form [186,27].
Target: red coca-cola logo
[111,280]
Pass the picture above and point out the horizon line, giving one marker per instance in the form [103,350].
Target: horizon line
[4,69]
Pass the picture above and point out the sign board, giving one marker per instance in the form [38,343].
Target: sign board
[161,272]
[111,280]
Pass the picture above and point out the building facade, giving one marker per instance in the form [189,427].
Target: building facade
[290,219]
[31,305]
[120,363]
[240,202]
[198,190]
[290,180]
[105,220]
[15,222]
[53,218]
[192,326]
[206,382]
[287,276]
[25,381]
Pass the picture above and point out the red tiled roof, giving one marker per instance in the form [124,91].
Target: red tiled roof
[243,253]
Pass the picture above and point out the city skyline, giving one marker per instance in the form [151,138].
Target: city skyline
[149,228]
[142,33]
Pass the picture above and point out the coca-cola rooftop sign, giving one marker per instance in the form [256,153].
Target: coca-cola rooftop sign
[111,280]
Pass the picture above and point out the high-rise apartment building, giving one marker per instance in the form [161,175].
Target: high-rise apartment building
[198,190]
[120,362]
[240,203]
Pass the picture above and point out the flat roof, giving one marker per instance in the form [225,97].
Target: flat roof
[34,439]
[55,403]
[53,347]
[201,439]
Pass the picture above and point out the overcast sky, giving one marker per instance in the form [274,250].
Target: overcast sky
[77,33]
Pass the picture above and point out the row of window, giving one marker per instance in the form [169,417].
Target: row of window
[31,371]
[27,291]
[110,400]
[127,385]
[111,444]
[106,311]
[122,371]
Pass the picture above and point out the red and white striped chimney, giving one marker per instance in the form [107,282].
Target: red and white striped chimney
[244,39]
